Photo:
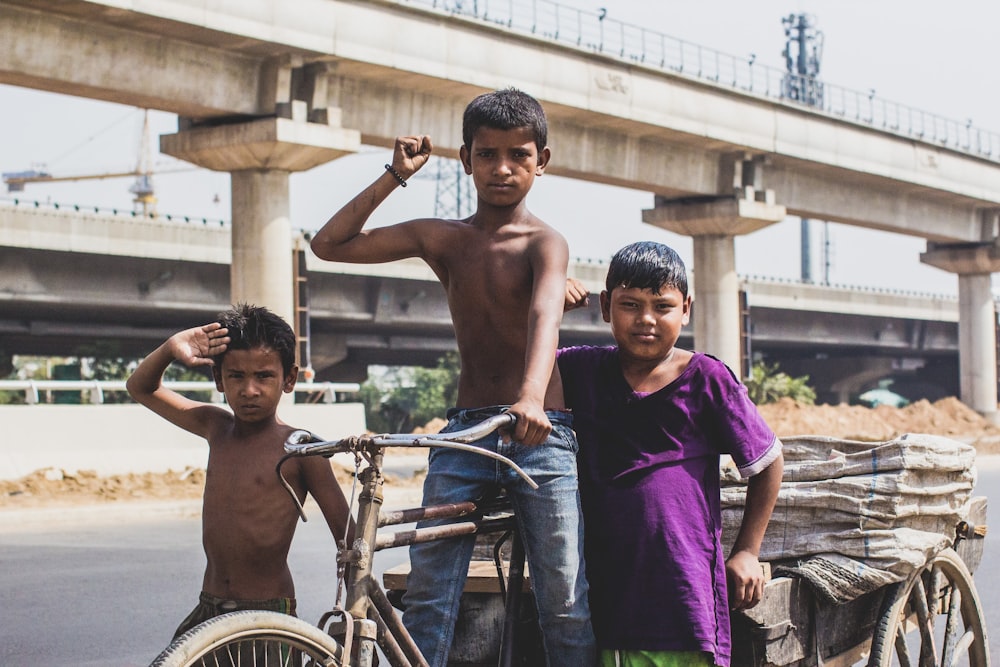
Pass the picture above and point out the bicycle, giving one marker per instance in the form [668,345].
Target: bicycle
[346,636]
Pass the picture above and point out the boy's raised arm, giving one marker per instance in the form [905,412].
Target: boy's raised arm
[192,347]
[341,238]
[549,263]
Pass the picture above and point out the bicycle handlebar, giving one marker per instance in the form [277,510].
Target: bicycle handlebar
[304,443]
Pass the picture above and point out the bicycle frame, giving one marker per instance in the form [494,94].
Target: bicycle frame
[368,617]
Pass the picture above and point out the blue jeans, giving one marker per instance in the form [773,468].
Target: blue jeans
[550,522]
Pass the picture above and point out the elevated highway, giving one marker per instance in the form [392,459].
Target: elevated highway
[84,282]
[262,91]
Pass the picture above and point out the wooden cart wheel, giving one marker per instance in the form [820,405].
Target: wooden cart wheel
[933,620]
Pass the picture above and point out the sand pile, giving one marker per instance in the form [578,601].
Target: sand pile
[947,417]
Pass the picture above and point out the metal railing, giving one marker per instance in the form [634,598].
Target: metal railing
[326,392]
[28,202]
[595,32]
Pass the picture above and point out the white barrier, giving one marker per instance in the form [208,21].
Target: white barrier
[122,438]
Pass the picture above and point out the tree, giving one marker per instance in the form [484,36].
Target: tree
[407,397]
[767,384]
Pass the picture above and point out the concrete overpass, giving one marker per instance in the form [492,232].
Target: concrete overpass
[80,282]
[263,91]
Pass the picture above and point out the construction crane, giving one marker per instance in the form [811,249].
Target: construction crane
[142,188]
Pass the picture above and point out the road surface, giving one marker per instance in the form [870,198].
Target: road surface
[109,591]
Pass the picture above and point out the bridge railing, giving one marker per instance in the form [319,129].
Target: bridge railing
[326,392]
[596,32]
[110,210]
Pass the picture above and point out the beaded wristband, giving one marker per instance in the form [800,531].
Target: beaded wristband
[402,181]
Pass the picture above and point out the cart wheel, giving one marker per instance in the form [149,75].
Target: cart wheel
[934,618]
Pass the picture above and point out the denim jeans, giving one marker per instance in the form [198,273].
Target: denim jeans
[550,522]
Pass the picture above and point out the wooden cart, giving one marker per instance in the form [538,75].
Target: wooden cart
[934,618]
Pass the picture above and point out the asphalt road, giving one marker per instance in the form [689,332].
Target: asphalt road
[108,590]
[110,593]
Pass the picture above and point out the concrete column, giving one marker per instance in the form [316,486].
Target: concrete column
[714,222]
[977,343]
[261,270]
[977,318]
[260,155]
[717,319]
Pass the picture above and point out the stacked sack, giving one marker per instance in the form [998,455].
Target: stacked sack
[852,516]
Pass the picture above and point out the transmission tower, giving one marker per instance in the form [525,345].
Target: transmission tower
[453,190]
[803,53]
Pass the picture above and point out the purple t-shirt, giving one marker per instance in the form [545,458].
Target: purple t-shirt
[649,482]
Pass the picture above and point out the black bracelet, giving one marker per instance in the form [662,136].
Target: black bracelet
[402,181]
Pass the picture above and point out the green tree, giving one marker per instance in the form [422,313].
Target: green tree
[767,384]
[408,397]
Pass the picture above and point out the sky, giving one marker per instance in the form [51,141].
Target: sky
[921,53]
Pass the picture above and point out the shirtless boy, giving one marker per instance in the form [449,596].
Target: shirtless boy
[248,520]
[504,273]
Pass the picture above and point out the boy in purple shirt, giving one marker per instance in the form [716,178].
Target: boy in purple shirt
[652,421]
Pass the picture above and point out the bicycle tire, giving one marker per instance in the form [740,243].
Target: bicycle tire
[269,638]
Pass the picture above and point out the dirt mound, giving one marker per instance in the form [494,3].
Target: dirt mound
[54,486]
[947,417]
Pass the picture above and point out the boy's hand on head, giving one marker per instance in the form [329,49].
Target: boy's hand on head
[577,296]
[745,578]
[198,346]
[410,154]
[533,426]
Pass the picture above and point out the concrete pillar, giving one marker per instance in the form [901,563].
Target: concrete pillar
[977,319]
[717,323]
[977,343]
[714,222]
[261,154]
[261,270]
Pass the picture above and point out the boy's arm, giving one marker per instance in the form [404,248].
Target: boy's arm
[322,484]
[743,570]
[341,238]
[549,261]
[192,347]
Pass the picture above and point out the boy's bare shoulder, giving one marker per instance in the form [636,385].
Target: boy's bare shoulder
[549,241]
[209,420]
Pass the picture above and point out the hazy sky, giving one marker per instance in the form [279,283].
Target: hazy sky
[926,54]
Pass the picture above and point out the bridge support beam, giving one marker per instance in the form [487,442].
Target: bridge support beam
[977,318]
[714,222]
[260,154]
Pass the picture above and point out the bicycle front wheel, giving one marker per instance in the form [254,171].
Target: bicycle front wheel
[259,638]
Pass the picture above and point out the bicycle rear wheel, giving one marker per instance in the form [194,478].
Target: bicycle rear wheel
[259,638]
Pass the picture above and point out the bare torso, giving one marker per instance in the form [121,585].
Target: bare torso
[248,520]
[488,278]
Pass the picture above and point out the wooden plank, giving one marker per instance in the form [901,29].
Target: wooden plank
[482,577]
[780,630]
[970,549]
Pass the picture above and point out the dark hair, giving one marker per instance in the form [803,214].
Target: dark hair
[505,109]
[647,265]
[255,326]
